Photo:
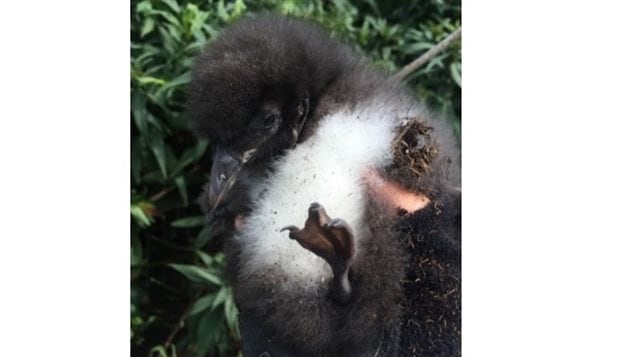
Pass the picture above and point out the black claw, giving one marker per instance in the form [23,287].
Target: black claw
[291,229]
[337,223]
[314,210]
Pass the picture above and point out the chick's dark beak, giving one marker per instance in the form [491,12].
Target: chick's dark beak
[225,169]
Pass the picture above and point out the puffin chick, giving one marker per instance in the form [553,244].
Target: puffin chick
[298,118]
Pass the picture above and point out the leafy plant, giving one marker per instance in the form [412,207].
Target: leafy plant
[181,303]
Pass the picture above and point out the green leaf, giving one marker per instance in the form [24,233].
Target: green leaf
[188,222]
[222,11]
[206,258]
[194,21]
[231,313]
[455,71]
[174,6]
[203,237]
[238,10]
[177,82]
[160,351]
[435,62]
[208,330]
[417,48]
[172,20]
[157,145]
[148,26]
[224,295]
[179,181]
[203,303]
[143,80]
[190,155]
[138,106]
[168,43]
[174,31]
[144,7]
[197,275]
[140,216]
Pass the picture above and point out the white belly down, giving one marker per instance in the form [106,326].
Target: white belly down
[327,168]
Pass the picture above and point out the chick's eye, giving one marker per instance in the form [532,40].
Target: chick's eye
[268,120]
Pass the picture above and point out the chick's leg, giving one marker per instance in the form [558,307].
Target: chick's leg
[333,241]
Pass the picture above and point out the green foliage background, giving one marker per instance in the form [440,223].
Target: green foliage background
[180,301]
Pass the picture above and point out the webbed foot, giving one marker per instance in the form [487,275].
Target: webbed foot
[333,241]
